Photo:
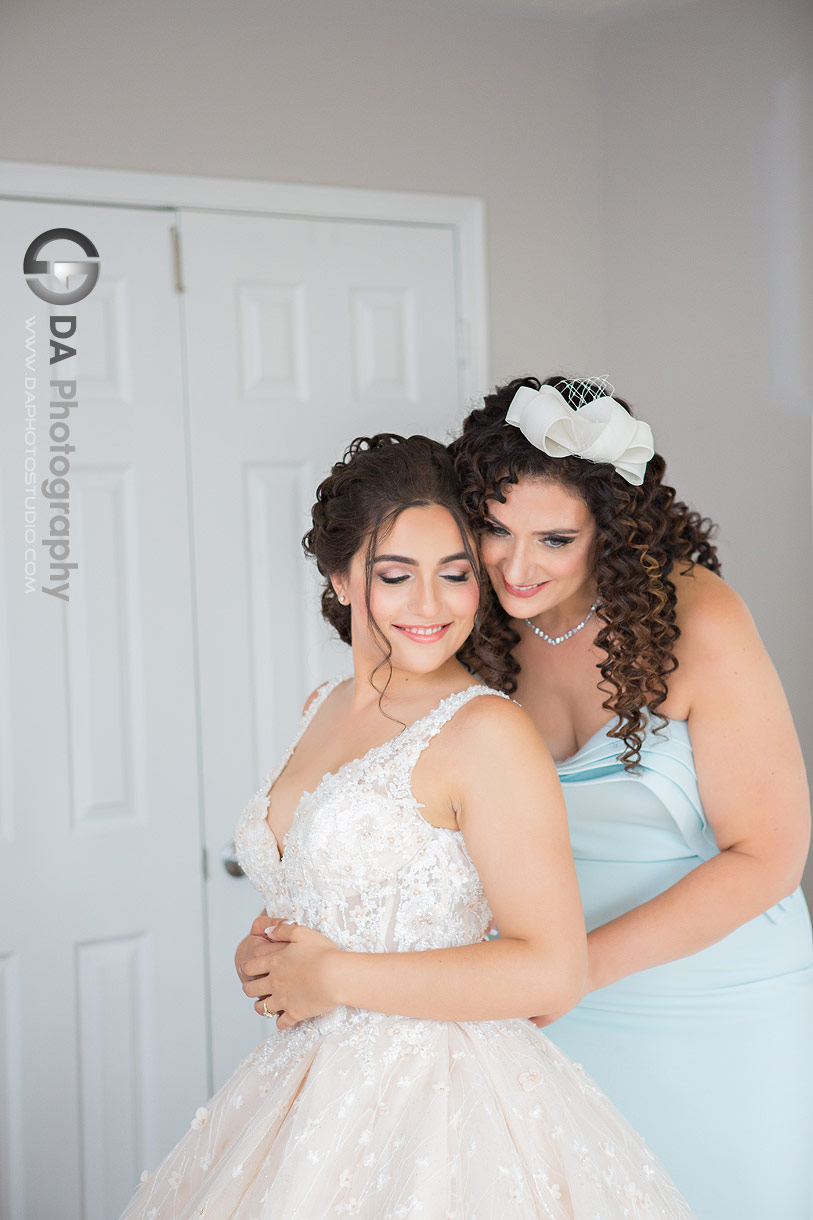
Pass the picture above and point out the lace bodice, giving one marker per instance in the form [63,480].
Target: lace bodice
[360,863]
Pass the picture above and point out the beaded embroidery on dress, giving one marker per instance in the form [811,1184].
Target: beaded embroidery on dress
[391,1118]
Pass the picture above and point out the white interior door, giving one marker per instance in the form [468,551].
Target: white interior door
[301,334]
[102,1029]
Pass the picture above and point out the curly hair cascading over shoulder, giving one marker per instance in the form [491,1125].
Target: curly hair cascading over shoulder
[356,506]
[641,532]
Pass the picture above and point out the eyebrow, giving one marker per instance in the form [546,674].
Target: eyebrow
[537,533]
[414,562]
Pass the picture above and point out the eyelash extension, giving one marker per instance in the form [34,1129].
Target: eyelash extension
[557,541]
[399,580]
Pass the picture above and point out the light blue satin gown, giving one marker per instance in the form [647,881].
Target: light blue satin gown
[710,1057]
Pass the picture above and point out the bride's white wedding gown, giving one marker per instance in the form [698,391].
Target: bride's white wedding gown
[362,1114]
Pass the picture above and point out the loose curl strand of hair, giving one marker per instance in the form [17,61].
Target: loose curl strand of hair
[641,533]
[378,478]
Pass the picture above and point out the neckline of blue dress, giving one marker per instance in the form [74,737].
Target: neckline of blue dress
[600,737]
[667,769]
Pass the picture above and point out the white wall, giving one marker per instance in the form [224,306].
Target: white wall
[708,189]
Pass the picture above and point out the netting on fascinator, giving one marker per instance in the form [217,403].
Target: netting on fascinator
[579,391]
[579,417]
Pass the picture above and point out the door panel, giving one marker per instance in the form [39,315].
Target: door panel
[301,335]
[102,973]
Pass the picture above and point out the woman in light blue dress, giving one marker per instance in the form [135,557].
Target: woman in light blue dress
[685,788]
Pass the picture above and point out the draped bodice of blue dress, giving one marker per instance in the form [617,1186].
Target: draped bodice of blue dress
[710,1056]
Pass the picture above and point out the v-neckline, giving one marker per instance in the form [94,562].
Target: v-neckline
[266,792]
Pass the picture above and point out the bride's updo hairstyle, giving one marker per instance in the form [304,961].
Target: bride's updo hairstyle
[641,532]
[356,507]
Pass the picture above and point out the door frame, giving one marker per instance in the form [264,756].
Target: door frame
[463,214]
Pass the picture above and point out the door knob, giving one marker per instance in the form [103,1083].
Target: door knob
[230,861]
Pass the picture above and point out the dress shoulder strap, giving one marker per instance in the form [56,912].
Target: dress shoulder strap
[307,716]
[422,731]
[321,693]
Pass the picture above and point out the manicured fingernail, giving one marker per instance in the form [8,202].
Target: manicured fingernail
[269,930]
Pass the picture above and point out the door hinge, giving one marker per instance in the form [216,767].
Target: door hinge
[177,266]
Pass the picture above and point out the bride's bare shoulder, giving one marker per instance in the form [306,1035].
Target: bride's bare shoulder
[491,725]
[337,685]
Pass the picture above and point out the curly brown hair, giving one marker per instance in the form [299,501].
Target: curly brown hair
[641,532]
[356,506]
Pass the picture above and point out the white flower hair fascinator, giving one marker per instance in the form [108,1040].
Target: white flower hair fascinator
[598,430]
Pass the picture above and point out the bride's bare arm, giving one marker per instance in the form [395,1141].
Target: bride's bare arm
[511,811]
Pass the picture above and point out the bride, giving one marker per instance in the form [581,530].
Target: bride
[414,807]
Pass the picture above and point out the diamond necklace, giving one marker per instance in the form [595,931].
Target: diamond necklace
[560,639]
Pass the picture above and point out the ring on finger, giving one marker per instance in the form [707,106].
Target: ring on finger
[266,1013]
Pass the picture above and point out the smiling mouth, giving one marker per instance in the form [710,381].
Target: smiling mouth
[425,635]
[524,590]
